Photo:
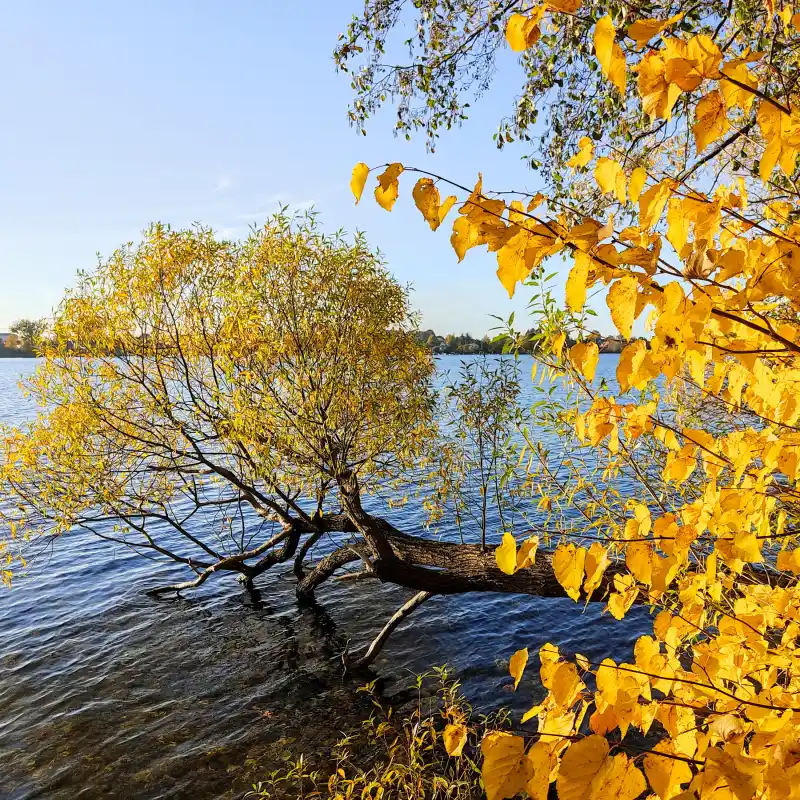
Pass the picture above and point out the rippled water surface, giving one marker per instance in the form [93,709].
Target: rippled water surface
[107,692]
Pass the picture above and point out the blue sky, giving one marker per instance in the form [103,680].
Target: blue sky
[119,114]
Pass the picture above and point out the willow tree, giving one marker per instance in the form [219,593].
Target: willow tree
[684,477]
[227,406]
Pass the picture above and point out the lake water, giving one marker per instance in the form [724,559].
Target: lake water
[107,692]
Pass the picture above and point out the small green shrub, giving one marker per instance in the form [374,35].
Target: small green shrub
[396,755]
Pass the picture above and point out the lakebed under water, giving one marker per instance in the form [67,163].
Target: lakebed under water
[105,691]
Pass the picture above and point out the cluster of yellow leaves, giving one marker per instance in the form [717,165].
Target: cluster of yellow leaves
[510,559]
[710,544]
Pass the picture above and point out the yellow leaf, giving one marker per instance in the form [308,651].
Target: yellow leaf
[567,6]
[607,680]
[678,223]
[643,30]
[517,664]
[610,177]
[506,554]
[360,173]
[665,774]
[388,187]
[584,154]
[690,63]
[743,775]
[584,357]
[617,778]
[621,301]
[455,737]
[621,600]
[609,53]
[523,31]
[576,281]
[780,132]
[566,685]
[526,555]
[568,563]
[734,94]
[652,202]
[711,120]
[636,183]
[639,559]
[506,769]
[426,198]
[579,766]
[542,757]
[595,565]
[657,93]
[465,235]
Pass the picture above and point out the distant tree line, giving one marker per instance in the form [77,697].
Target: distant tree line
[466,344]
[22,339]
[528,342]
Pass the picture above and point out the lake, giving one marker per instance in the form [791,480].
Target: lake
[105,691]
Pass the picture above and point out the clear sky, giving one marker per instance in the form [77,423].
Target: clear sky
[119,114]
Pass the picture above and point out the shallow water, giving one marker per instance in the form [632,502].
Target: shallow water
[107,692]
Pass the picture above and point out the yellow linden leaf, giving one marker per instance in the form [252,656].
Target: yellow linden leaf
[617,778]
[665,774]
[789,561]
[621,600]
[567,6]
[445,207]
[426,198]
[678,224]
[579,766]
[610,177]
[607,679]
[711,120]
[360,173]
[733,93]
[621,301]
[584,155]
[639,560]
[743,775]
[542,758]
[595,565]
[506,554]
[584,357]
[643,30]
[517,664]
[609,53]
[465,236]
[566,685]
[636,183]
[688,64]
[630,360]
[657,93]
[522,31]
[652,202]
[526,555]
[455,737]
[506,769]
[568,563]
[576,281]
[388,187]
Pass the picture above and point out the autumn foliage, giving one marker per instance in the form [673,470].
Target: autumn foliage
[703,425]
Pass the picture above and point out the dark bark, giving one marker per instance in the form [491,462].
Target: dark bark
[327,566]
